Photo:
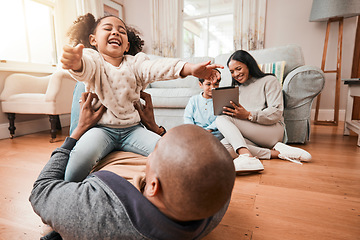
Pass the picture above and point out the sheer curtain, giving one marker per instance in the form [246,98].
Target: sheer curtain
[95,7]
[66,12]
[249,24]
[165,22]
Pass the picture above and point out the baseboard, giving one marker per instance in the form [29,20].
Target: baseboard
[33,126]
[28,127]
[327,115]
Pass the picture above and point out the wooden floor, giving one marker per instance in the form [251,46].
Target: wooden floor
[317,200]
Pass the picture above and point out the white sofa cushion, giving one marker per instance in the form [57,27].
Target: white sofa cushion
[171,97]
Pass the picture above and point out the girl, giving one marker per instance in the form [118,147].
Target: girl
[256,126]
[108,61]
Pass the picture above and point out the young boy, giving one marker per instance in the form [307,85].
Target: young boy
[199,110]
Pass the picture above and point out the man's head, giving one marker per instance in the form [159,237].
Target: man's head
[207,85]
[190,175]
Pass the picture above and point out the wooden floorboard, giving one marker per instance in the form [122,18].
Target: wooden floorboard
[317,200]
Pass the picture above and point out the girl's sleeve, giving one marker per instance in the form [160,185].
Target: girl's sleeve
[274,101]
[148,71]
[91,62]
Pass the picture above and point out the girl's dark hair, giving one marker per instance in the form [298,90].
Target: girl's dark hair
[85,25]
[250,62]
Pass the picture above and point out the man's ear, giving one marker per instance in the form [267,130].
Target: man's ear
[92,40]
[152,187]
[200,84]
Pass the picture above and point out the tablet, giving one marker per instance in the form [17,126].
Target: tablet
[222,97]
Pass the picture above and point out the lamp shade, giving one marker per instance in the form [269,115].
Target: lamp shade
[322,10]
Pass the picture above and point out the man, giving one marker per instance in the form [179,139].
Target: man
[188,185]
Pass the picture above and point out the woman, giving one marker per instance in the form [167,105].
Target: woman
[255,128]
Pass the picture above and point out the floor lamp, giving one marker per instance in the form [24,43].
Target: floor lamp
[333,11]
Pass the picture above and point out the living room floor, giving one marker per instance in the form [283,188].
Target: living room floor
[317,200]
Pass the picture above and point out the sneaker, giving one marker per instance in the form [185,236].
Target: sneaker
[52,236]
[244,163]
[292,154]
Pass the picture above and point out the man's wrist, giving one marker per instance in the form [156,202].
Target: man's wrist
[162,131]
[78,132]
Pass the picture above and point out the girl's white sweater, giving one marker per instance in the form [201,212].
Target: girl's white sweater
[119,87]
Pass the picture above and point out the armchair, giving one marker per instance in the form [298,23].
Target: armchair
[27,94]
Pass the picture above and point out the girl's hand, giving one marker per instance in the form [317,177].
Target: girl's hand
[71,57]
[203,70]
[237,112]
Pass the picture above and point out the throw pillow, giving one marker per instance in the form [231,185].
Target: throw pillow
[276,68]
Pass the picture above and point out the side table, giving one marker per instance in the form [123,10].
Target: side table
[353,91]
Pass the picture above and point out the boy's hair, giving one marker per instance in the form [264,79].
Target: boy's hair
[201,80]
[85,25]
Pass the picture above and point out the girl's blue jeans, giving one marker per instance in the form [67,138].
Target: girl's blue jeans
[99,141]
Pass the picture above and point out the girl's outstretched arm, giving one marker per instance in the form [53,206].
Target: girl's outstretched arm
[71,57]
[203,70]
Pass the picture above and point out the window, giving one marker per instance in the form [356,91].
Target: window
[207,27]
[28,31]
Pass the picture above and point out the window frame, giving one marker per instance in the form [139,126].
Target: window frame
[207,16]
[28,66]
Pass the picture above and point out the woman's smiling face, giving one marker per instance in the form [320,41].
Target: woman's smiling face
[239,71]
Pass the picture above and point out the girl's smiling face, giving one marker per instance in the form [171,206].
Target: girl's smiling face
[110,39]
[239,71]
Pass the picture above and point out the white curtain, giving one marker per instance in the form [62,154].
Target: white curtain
[164,27]
[249,24]
[96,7]
[66,12]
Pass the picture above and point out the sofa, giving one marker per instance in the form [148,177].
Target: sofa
[28,94]
[301,84]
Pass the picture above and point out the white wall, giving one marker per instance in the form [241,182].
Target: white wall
[137,14]
[287,22]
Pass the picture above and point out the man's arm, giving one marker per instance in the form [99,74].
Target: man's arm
[146,113]
[88,116]
[50,191]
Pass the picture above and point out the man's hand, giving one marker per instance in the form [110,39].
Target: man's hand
[88,116]
[71,58]
[146,113]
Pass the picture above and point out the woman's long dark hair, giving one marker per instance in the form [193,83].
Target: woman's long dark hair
[245,58]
